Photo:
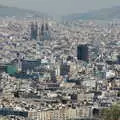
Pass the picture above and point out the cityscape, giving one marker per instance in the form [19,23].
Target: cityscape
[59,69]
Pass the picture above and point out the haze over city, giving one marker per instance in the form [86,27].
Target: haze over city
[61,7]
[59,59]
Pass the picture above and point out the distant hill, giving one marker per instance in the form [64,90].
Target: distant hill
[17,12]
[103,14]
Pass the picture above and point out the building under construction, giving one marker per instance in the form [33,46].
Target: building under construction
[34,31]
[44,32]
[40,32]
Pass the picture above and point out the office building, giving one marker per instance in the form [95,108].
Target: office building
[82,53]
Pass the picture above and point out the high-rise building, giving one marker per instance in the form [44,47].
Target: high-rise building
[64,69]
[42,29]
[46,27]
[32,31]
[82,52]
[36,30]
[118,59]
[53,76]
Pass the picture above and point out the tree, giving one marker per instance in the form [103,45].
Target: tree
[118,94]
[3,118]
[112,113]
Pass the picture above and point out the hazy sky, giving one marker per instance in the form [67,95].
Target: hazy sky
[61,7]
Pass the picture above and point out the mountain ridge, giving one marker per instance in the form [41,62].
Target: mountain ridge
[102,14]
[18,12]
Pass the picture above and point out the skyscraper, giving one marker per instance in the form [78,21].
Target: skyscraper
[82,52]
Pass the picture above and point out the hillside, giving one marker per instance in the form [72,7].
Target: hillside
[17,12]
[103,14]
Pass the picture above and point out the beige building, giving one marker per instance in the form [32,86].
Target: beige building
[87,97]
[61,114]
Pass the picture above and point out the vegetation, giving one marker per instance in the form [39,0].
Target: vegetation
[112,113]
[118,94]
[3,118]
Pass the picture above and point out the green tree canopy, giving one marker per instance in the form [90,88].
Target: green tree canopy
[112,113]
